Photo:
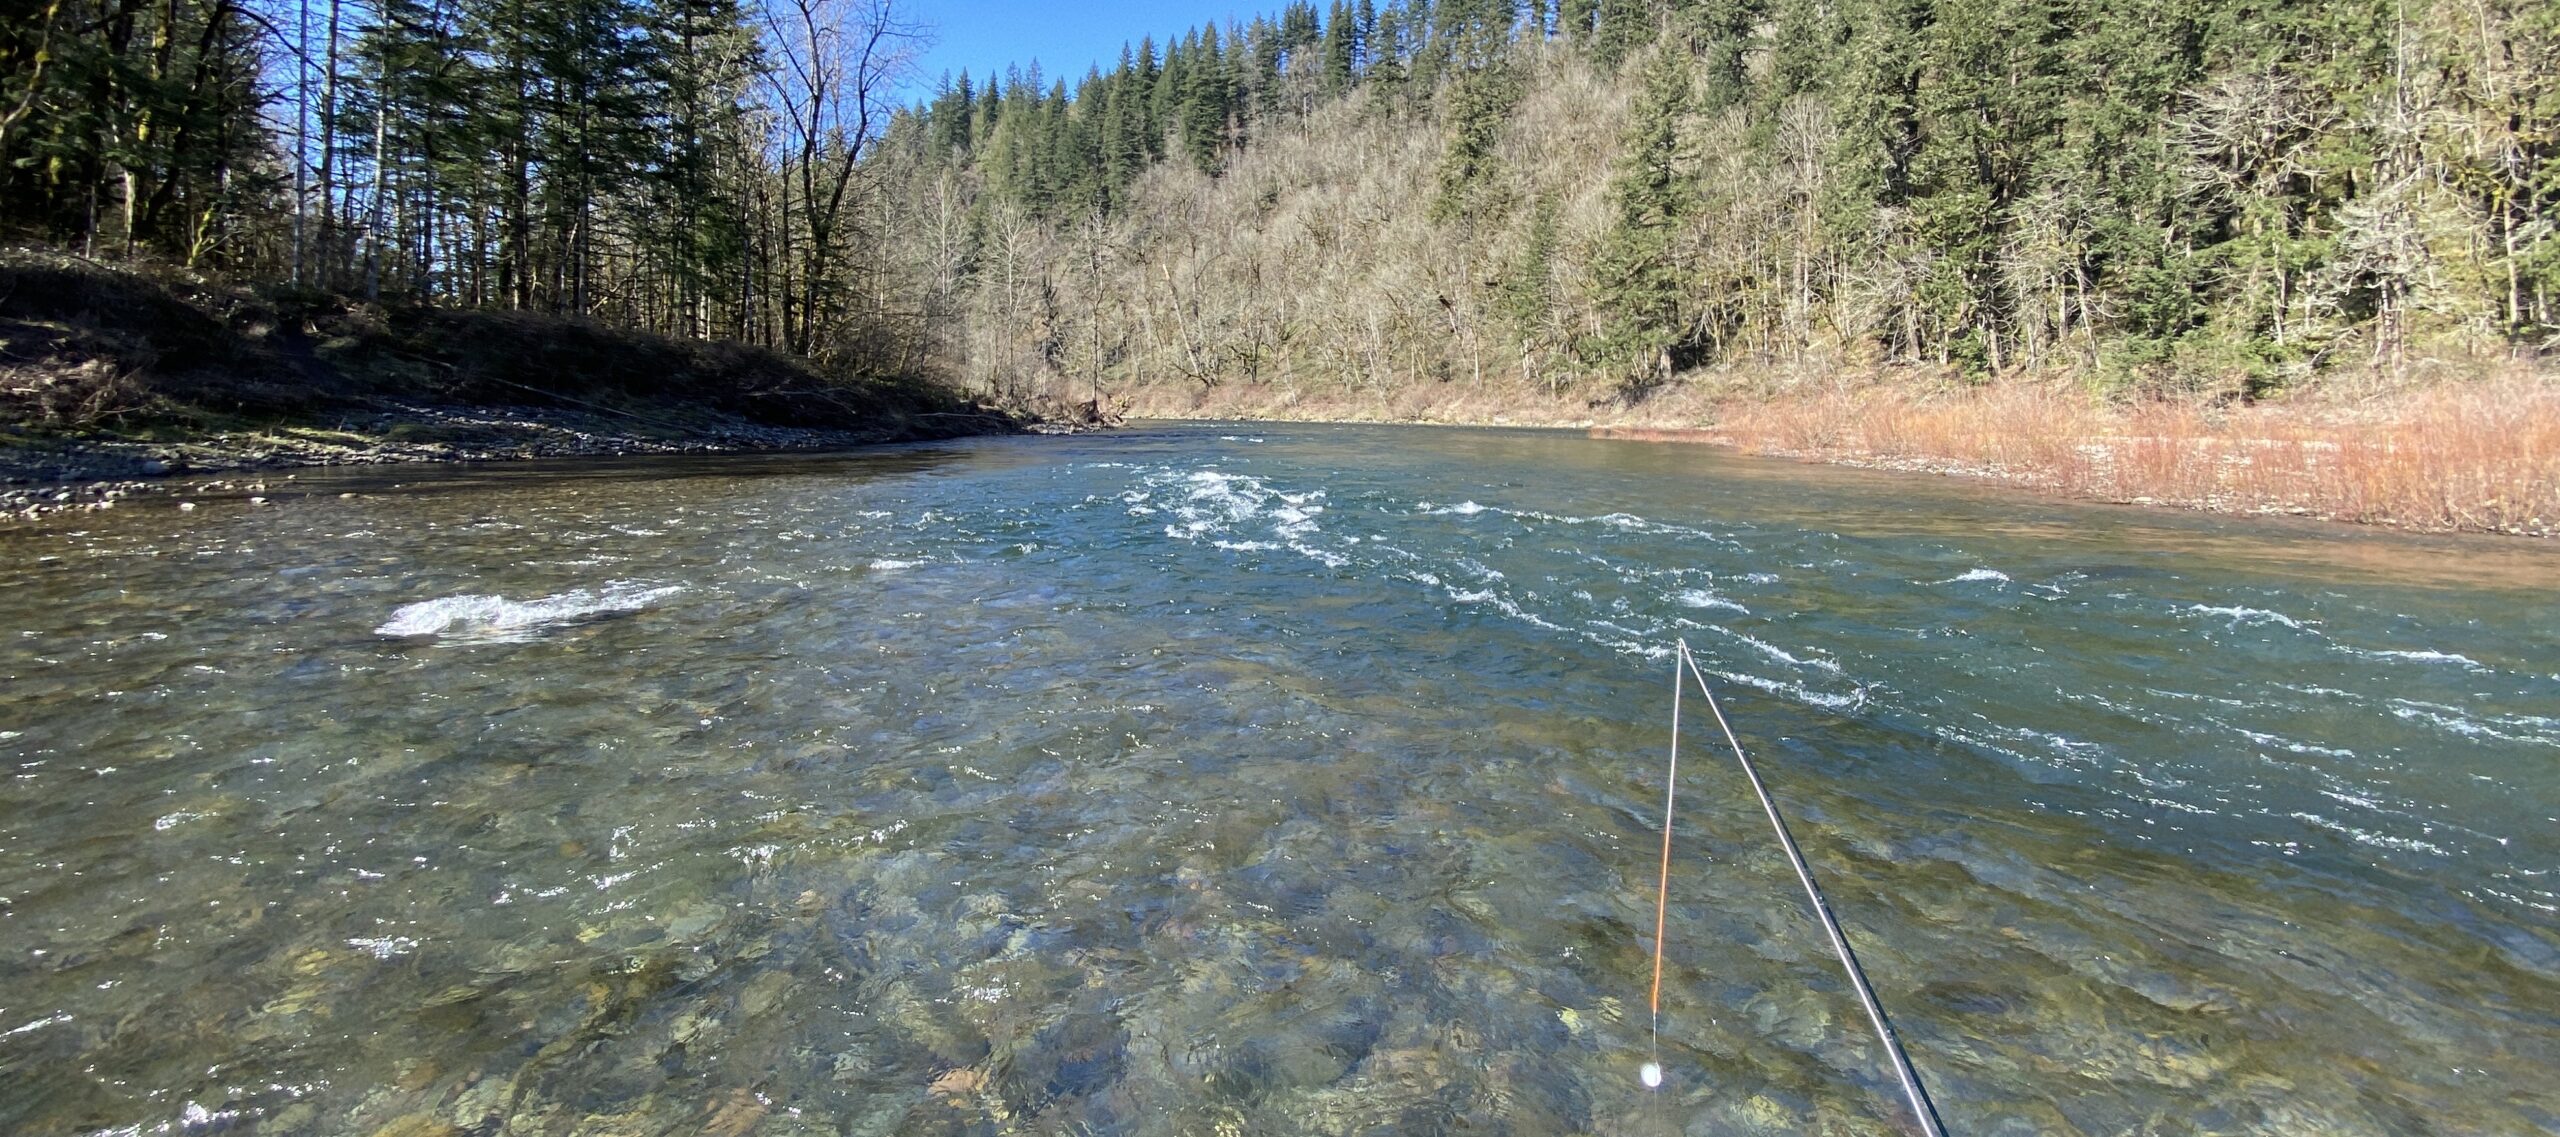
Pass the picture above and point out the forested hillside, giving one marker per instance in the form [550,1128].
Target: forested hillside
[2223,196]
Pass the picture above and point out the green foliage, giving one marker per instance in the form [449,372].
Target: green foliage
[1527,295]
[1341,50]
[1641,282]
[128,127]
[1207,103]
[1479,100]
[1622,28]
[1576,18]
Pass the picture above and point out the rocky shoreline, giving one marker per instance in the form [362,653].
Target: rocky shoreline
[45,475]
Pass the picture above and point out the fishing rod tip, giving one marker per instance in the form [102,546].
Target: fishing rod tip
[1652,1075]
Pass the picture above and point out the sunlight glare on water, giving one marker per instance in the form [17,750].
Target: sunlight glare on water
[1290,780]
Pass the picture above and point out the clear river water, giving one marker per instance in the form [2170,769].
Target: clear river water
[1213,779]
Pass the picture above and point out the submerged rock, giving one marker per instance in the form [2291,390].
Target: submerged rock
[419,1125]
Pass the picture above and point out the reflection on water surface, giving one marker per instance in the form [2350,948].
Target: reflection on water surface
[1216,779]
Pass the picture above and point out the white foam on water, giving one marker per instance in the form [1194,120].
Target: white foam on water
[2452,719]
[1699,598]
[2291,745]
[384,947]
[174,820]
[1634,635]
[196,1118]
[1780,654]
[1212,505]
[56,1019]
[2419,656]
[496,618]
[1991,575]
[887,564]
[1326,558]
[1295,520]
[1506,606]
[1974,741]
[1238,512]
[2368,837]
[1797,691]
[1627,522]
[2063,744]
[2179,806]
[2512,898]
[2239,615]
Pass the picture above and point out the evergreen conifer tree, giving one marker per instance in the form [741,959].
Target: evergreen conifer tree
[1641,289]
[1476,45]
[1206,104]
[1575,20]
[1528,291]
[1341,50]
[1621,29]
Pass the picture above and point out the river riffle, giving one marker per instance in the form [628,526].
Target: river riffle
[1260,779]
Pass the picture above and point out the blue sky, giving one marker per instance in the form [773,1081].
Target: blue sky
[1064,35]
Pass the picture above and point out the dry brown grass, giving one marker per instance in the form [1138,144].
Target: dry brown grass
[2478,456]
[2481,456]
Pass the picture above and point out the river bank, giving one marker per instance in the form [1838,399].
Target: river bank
[118,381]
[42,475]
[2473,456]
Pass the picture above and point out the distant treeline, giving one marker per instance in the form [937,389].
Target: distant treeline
[2228,193]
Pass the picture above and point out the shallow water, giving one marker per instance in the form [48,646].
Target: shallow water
[1261,780]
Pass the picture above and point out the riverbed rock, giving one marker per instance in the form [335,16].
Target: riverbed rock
[418,1125]
[695,921]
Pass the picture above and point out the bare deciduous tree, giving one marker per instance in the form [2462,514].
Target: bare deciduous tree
[835,63]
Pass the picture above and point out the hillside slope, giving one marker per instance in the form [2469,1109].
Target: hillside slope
[1900,233]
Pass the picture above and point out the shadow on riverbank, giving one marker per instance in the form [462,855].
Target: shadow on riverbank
[111,379]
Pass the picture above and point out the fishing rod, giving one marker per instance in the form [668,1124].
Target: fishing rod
[1921,1107]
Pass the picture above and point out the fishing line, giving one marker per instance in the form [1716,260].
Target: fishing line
[1921,1107]
[1652,1072]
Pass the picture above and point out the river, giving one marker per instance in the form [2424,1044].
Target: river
[1261,779]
